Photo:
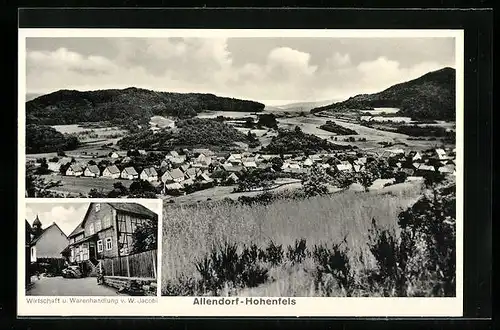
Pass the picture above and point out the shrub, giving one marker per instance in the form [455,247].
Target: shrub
[225,267]
[335,262]
[298,252]
[274,253]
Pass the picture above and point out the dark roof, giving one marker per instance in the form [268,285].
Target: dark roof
[37,221]
[45,230]
[134,208]
[130,170]
[94,169]
[113,169]
[78,228]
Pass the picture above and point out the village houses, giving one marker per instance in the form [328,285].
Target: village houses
[74,170]
[129,173]
[106,231]
[46,243]
[92,171]
[149,174]
[111,172]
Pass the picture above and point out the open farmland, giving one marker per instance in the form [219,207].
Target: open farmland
[189,232]
[77,185]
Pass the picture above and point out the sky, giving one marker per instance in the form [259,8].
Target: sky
[270,70]
[66,215]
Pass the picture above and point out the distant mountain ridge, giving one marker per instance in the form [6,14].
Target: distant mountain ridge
[431,96]
[127,105]
[299,106]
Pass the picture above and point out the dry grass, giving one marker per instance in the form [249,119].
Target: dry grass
[190,232]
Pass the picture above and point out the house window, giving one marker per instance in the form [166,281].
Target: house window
[97,207]
[107,222]
[91,229]
[99,246]
[98,226]
[108,243]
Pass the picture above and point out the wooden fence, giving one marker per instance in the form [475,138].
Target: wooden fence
[142,264]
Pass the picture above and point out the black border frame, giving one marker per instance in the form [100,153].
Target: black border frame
[478,90]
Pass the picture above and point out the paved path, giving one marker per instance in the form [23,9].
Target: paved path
[59,286]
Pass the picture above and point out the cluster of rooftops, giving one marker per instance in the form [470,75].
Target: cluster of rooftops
[178,170]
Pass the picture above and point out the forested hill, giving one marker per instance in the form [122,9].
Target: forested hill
[130,105]
[431,96]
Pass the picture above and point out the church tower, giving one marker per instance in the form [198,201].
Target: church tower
[37,227]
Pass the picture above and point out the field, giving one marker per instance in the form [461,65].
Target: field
[86,134]
[189,232]
[75,185]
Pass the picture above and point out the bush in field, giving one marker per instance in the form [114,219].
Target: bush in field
[95,193]
[334,262]
[400,177]
[298,252]
[224,266]
[274,253]
[432,219]
[392,256]
[421,260]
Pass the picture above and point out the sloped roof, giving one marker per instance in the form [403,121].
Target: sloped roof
[79,228]
[173,186]
[150,171]
[45,230]
[130,170]
[93,169]
[176,173]
[113,169]
[133,208]
[76,168]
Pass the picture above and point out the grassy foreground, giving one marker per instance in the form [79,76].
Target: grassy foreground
[311,247]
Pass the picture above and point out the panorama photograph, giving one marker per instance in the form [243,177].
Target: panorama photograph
[287,166]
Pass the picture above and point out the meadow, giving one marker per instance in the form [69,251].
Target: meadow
[82,185]
[300,228]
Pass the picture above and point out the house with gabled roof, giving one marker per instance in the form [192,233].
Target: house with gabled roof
[74,170]
[202,161]
[92,171]
[203,151]
[192,172]
[126,160]
[441,154]
[114,155]
[447,169]
[232,178]
[175,175]
[421,167]
[344,166]
[149,174]
[250,164]
[106,231]
[46,243]
[111,172]
[174,186]
[55,166]
[129,173]
[205,178]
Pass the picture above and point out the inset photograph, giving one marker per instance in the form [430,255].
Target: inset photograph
[92,248]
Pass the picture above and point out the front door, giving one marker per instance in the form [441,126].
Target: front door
[92,252]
